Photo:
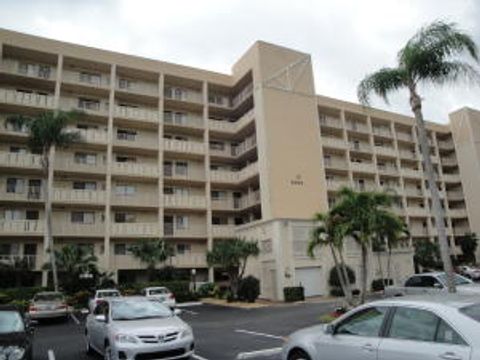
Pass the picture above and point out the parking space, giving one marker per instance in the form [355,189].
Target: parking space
[221,333]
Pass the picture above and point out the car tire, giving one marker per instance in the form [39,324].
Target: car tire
[107,354]
[298,355]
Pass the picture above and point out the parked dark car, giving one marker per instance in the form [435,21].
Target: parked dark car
[16,334]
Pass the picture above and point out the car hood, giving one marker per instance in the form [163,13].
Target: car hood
[469,289]
[149,326]
[313,331]
[12,339]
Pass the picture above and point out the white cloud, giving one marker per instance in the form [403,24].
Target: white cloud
[346,38]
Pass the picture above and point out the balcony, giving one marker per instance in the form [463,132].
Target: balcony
[94,108]
[183,94]
[386,151]
[184,202]
[363,167]
[189,260]
[22,161]
[69,164]
[11,129]
[458,213]
[67,228]
[461,230]
[231,127]
[404,136]
[183,119]
[382,131]
[446,144]
[33,262]
[137,87]
[330,121]
[405,154]
[455,195]
[417,211]
[451,178]
[137,113]
[142,140]
[243,95]
[364,186]
[392,189]
[96,80]
[414,192]
[21,98]
[449,161]
[36,71]
[135,229]
[418,232]
[363,147]
[186,147]
[223,231]
[358,127]
[139,199]
[225,176]
[335,164]
[22,227]
[332,142]
[336,185]
[411,173]
[245,146]
[194,173]
[78,196]
[134,169]
[29,193]
[388,170]
[191,231]
[92,136]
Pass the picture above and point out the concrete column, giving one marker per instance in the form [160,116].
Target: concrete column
[108,182]
[208,188]
[345,137]
[161,81]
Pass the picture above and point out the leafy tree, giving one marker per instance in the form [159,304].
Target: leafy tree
[362,213]
[431,56]
[469,244]
[231,255]
[47,131]
[329,232]
[427,255]
[151,252]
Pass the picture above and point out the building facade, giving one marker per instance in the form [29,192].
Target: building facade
[194,156]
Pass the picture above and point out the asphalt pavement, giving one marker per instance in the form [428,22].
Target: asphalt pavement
[221,333]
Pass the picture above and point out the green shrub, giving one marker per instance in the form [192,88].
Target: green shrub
[338,292]
[379,284]
[294,293]
[249,289]
[206,290]
[79,300]
[21,293]
[333,280]
[21,304]
[4,298]
[181,289]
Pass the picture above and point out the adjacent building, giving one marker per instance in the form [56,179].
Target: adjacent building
[194,156]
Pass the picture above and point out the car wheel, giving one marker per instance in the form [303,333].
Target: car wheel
[298,355]
[107,353]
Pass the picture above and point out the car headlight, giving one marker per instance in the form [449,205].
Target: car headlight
[186,333]
[126,339]
[12,353]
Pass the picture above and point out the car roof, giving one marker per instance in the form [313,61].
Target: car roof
[455,301]
[155,287]
[127,299]
[107,290]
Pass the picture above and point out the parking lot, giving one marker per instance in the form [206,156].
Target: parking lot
[221,333]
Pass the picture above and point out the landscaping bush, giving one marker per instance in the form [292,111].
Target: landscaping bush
[21,293]
[249,289]
[181,289]
[294,293]
[80,299]
[21,304]
[333,280]
[206,290]
[378,284]
[338,292]
[4,299]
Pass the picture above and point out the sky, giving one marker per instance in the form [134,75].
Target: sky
[346,38]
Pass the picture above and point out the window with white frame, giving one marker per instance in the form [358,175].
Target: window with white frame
[183,248]
[14,214]
[181,222]
[123,217]
[82,217]
[89,104]
[181,168]
[90,78]
[120,249]
[15,185]
[125,189]
[124,134]
[125,83]
[85,158]
[84,185]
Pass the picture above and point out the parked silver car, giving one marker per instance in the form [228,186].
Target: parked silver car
[161,294]
[425,327]
[47,305]
[136,328]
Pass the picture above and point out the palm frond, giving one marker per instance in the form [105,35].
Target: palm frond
[453,71]
[381,83]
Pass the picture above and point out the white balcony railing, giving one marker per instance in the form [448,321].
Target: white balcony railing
[92,136]
[330,121]
[95,108]
[29,161]
[137,113]
[137,87]
[35,100]
[21,227]
[79,196]
[69,164]
[86,78]
[183,119]
[334,142]
[183,94]
[33,70]
[231,127]
[185,202]
[388,151]
[137,199]
[337,184]
[130,168]
[189,147]
[363,167]
[135,229]
[225,176]
[67,228]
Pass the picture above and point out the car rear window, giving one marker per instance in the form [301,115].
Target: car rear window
[105,294]
[10,322]
[48,297]
[472,311]
[158,291]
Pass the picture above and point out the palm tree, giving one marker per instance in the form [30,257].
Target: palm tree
[329,233]
[151,252]
[431,56]
[360,213]
[47,131]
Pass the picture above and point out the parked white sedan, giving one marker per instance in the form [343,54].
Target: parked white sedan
[427,328]
[160,294]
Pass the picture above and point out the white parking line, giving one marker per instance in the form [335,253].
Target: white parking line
[189,312]
[259,353]
[75,318]
[198,357]
[259,334]
[51,355]
[192,303]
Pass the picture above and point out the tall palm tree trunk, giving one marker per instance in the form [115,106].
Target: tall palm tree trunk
[389,264]
[364,273]
[343,281]
[48,168]
[345,276]
[437,209]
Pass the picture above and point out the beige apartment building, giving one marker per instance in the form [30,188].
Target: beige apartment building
[194,156]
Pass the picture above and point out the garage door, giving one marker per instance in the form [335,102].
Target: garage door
[311,278]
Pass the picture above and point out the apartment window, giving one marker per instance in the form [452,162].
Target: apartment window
[183,248]
[85,158]
[217,145]
[34,188]
[14,214]
[84,185]
[15,185]
[6,249]
[218,195]
[16,126]
[125,189]
[327,159]
[121,217]
[167,168]
[217,99]
[181,222]
[87,248]
[167,190]
[83,126]
[120,249]
[32,215]
[83,217]
[91,78]
[181,168]
[18,149]
[174,93]
[123,134]
[218,220]
[89,104]
[125,83]
[125,158]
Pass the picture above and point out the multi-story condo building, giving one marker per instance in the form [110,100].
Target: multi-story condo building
[194,156]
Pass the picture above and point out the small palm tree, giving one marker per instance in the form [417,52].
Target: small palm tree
[329,232]
[430,56]
[360,213]
[47,131]
[151,252]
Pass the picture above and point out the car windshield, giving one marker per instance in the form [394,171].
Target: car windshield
[48,297]
[105,294]
[139,309]
[161,291]
[11,321]
[459,280]
[472,311]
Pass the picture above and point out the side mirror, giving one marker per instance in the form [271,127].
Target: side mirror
[330,329]
[177,312]
[100,318]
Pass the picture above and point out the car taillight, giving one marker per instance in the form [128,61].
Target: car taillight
[32,308]
[63,306]
[172,296]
